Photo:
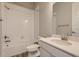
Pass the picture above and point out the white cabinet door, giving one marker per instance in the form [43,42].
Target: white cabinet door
[17,29]
[44,53]
[54,52]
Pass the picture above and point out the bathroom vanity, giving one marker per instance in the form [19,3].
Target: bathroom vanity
[55,47]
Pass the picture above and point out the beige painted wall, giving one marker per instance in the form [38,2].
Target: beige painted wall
[45,19]
[75,18]
[0,30]
[63,17]
[36,23]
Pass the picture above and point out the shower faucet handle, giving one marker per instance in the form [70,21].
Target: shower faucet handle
[6,37]
[8,41]
[1,19]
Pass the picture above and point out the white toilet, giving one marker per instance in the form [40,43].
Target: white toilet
[33,50]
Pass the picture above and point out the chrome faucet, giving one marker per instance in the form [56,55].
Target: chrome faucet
[65,37]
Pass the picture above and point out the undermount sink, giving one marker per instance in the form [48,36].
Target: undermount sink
[62,42]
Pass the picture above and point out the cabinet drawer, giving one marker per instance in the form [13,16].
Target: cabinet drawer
[54,51]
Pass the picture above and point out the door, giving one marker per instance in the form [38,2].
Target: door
[75,19]
[44,53]
[17,29]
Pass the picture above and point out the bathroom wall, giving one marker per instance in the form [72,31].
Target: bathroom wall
[75,18]
[63,12]
[45,19]
[0,29]
[36,22]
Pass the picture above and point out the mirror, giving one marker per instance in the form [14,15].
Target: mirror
[66,18]
[62,13]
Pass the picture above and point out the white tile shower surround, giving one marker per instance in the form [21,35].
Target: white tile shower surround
[21,33]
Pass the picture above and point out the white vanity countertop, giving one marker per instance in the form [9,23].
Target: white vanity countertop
[72,49]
